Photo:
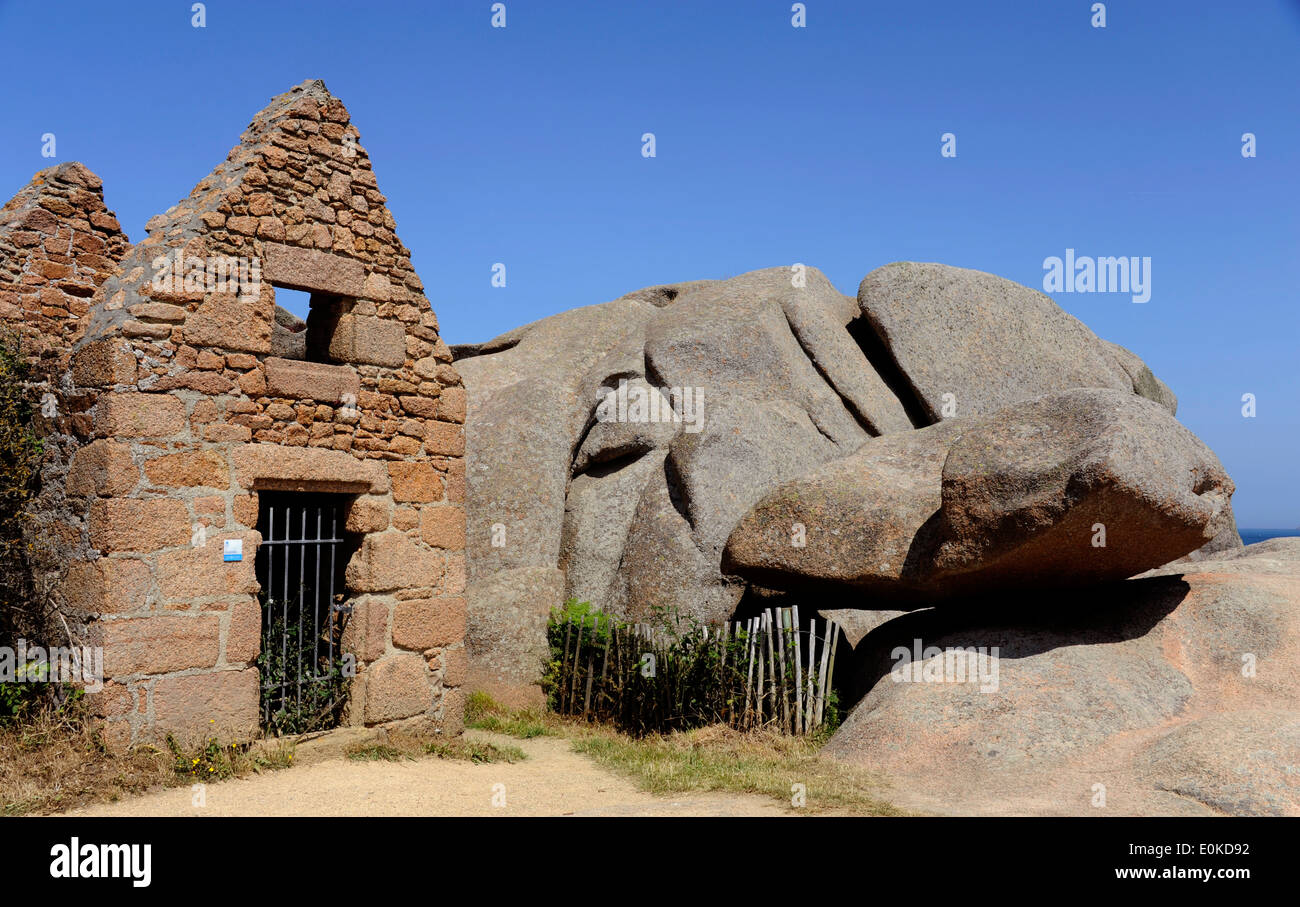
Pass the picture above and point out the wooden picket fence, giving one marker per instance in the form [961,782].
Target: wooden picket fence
[769,671]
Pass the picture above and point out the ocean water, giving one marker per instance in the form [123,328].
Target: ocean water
[1251,536]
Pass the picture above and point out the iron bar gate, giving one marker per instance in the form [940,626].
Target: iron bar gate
[300,567]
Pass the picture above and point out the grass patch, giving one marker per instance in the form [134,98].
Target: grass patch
[214,761]
[719,758]
[483,713]
[403,747]
[53,761]
[714,758]
[476,751]
[376,752]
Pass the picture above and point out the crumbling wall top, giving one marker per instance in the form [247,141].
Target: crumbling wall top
[58,243]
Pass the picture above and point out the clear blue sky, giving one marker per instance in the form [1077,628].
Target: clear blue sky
[774,145]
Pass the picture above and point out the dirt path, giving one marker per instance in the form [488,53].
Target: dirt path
[552,781]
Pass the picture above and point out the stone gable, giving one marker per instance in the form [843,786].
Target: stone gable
[58,243]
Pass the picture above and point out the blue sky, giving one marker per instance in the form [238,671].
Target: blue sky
[774,145]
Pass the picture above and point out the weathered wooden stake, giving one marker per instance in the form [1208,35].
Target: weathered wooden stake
[807,699]
[591,675]
[577,652]
[835,641]
[798,672]
[771,662]
[783,615]
[751,628]
[564,662]
[604,664]
[822,675]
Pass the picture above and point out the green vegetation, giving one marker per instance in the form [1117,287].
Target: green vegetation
[675,674]
[20,455]
[483,713]
[215,761]
[319,702]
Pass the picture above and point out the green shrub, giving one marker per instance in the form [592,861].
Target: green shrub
[485,714]
[673,675]
[21,450]
[20,455]
[321,699]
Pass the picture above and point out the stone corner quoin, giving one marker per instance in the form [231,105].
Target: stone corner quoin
[180,394]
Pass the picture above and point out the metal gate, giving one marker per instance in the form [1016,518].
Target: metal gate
[300,567]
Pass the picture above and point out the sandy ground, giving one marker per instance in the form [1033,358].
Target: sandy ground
[552,781]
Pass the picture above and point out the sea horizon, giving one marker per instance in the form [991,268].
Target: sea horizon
[1254,536]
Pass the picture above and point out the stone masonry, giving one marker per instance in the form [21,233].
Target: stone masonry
[188,404]
[58,242]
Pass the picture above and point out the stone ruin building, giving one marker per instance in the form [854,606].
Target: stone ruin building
[206,452]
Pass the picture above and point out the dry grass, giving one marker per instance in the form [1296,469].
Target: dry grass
[716,758]
[52,762]
[399,746]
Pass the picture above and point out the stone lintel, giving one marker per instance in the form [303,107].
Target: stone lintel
[312,270]
[273,467]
